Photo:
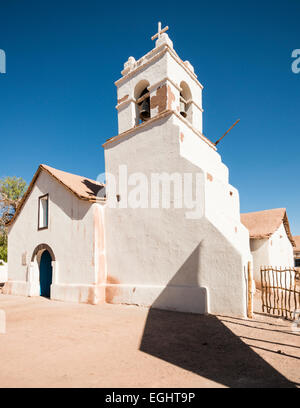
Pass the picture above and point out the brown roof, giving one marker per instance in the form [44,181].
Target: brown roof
[82,187]
[262,224]
[297,242]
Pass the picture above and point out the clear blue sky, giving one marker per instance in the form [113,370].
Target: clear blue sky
[57,99]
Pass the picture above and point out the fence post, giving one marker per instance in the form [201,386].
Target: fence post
[250,292]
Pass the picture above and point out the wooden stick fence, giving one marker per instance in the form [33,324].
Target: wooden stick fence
[280,291]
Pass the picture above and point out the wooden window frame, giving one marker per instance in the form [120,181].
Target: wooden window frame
[39,200]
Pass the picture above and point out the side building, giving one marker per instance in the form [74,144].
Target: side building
[297,251]
[271,241]
[56,239]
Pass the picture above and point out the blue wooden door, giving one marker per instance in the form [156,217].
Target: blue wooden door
[45,274]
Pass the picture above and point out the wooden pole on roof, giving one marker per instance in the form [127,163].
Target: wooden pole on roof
[218,141]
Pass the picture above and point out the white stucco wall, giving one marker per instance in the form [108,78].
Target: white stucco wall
[159,257]
[276,251]
[260,253]
[281,249]
[73,238]
[3,272]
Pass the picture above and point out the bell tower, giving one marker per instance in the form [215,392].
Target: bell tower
[156,83]
[162,249]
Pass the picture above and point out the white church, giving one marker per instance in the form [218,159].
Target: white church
[164,231]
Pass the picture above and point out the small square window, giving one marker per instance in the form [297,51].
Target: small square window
[43,212]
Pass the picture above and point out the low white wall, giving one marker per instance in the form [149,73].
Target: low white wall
[3,273]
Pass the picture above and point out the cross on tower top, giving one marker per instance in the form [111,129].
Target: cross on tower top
[160,31]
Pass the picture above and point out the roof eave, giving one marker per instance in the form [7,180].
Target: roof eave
[31,185]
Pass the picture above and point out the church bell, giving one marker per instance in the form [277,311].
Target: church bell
[144,108]
[183,107]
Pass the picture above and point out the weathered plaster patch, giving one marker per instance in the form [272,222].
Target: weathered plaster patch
[91,296]
[95,295]
[171,98]
[111,291]
[7,290]
[209,177]
[163,99]
[123,99]
[24,258]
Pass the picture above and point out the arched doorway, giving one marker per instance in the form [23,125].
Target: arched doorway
[45,274]
[42,259]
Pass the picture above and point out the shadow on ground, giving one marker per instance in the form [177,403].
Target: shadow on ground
[204,345]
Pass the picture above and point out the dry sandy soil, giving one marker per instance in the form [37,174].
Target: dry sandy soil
[55,344]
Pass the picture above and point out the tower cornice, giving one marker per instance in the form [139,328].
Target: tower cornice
[150,122]
[154,55]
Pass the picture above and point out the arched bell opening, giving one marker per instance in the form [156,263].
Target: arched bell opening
[144,106]
[142,97]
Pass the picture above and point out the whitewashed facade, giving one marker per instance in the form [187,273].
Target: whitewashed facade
[190,259]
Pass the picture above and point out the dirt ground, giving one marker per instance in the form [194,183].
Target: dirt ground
[56,344]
